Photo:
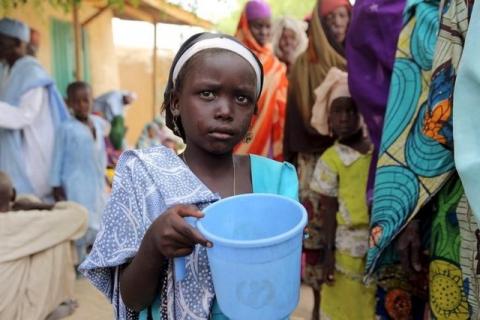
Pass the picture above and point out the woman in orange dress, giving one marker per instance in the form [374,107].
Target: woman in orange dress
[266,134]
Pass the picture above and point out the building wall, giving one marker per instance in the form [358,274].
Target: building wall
[136,74]
[103,61]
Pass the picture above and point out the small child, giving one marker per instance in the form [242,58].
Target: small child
[212,93]
[79,160]
[340,178]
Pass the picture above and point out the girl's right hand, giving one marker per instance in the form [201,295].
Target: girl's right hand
[172,236]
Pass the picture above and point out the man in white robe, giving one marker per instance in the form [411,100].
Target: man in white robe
[31,108]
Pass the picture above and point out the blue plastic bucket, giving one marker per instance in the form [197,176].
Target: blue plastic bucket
[255,260]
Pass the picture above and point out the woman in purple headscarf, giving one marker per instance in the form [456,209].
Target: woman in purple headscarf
[370,50]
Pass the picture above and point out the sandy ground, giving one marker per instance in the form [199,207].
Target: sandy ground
[94,306]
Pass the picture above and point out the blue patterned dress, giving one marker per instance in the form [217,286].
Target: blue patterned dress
[146,184]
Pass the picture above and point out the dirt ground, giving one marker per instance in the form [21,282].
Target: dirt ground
[94,306]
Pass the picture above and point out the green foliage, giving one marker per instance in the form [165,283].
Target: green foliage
[293,8]
[65,5]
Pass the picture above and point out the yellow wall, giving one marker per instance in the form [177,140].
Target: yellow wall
[103,64]
[136,73]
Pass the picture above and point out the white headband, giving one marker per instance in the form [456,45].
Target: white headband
[220,43]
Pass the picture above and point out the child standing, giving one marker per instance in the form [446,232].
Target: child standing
[211,96]
[79,160]
[340,179]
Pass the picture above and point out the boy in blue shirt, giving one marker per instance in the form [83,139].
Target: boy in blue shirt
[79,160]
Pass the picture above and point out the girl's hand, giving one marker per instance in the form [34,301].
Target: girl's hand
[329,267]
[172,236]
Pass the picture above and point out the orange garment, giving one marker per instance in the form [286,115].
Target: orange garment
[269,122]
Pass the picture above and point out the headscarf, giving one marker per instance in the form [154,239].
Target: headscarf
[15,29]
[268,124]
[297,26]
[224,43]
[257,9]
[334,86]
[329,5]
[307,74]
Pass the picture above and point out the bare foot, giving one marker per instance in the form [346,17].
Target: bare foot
[65,309]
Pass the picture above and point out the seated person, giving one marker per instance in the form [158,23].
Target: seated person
[36,264]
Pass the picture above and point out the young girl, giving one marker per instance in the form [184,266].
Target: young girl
[210,99]
[340,179]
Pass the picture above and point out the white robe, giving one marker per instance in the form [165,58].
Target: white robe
[33,117]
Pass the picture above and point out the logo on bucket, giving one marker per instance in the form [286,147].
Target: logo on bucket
[255,294]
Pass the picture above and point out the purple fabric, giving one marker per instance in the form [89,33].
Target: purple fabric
[370,49]
[258,9]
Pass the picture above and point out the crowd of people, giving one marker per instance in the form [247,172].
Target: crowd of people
[363,113]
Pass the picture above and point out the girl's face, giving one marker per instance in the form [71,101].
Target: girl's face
[216,100]
[338,21]
[344,118]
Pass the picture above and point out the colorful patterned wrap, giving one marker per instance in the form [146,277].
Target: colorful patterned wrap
[412,167]
[416,160]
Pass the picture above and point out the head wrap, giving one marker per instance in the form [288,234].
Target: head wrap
[330,5]
[220,43]
[334,86]
[15,29]
[297,26]
[257,9]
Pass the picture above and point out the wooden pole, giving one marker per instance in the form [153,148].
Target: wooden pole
[95,15]
[77,30]
[154,66]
